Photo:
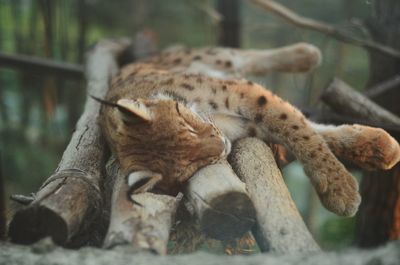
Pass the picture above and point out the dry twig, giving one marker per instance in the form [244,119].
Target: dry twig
[323,27]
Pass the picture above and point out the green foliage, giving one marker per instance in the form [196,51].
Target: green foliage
[336,233]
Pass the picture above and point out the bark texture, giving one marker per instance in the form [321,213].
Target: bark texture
[279,228]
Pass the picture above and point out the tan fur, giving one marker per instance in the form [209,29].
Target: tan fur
[165,144]
[240,108]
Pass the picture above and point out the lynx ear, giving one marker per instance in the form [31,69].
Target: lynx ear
[134,111]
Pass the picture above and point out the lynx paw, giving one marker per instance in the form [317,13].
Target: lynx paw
[341,195]
[341,198]
[372,148]
[308,56]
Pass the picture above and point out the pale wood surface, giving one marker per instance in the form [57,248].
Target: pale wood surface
[279,228]
[142,220]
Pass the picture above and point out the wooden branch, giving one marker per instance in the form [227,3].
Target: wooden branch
[280,227]
[328,116]
[143,220]
[347,101]
[41,66]
[220,202]
[383,87]
[311,24]
[22,199]
[70,201]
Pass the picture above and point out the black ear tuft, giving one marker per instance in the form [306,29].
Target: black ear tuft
[104,102]
[131,110]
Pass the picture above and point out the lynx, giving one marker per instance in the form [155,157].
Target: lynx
[167,116]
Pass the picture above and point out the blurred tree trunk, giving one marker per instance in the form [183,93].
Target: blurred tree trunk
[229,28]
[379,216]
[82,18]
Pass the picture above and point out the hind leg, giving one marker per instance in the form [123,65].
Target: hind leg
[368,147]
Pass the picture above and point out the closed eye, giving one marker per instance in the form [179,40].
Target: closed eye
[177,108]
[191,129]
[194,132]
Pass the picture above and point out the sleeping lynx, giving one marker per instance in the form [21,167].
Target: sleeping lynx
[174,113]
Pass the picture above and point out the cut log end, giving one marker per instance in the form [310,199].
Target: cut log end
[34,223]
[228,216]
[221,202]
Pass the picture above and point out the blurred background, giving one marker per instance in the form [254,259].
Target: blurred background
[39,106]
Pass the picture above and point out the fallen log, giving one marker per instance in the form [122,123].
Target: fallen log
[220,202]
[69,202]
[279,227]
[141,220]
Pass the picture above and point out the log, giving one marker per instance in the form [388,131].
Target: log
[141,220]
[347,101]
[220,202]
[70,202]
[279,227]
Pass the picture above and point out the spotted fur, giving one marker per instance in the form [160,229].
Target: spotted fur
[205,78]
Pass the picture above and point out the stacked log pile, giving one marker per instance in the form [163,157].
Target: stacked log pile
[85,203]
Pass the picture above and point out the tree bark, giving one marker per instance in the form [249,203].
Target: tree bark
[69,202]
[279,227]
[379,215]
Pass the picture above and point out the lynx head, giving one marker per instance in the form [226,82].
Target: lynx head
[164,136]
